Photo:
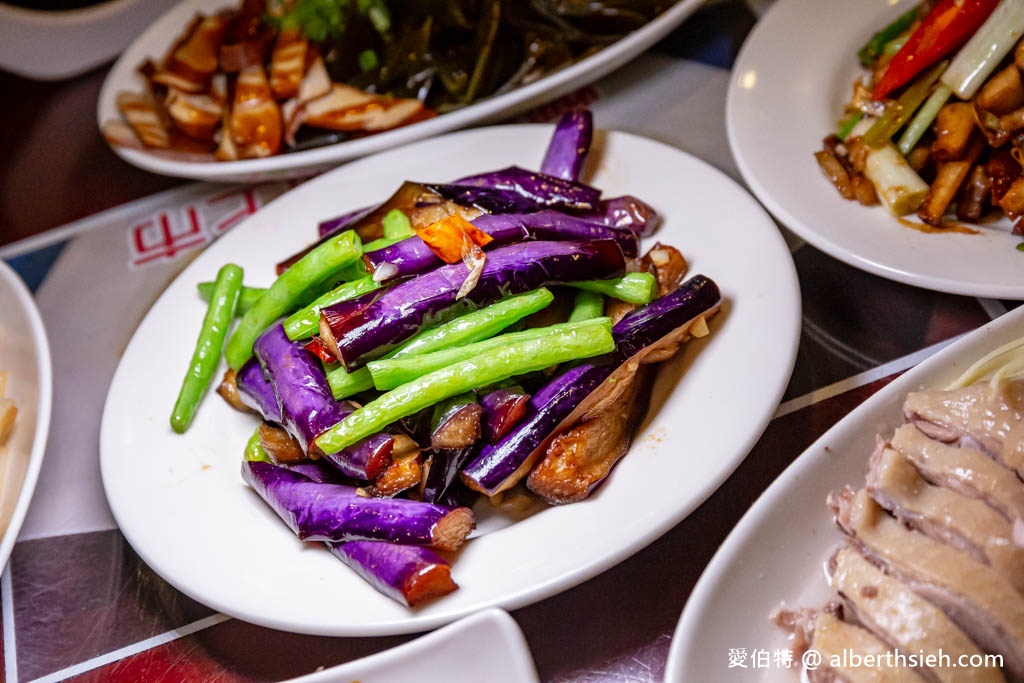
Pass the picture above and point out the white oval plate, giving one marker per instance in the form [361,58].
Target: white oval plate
[182,505]
[776,553]
[154,42]
[25,357]
[485,646]
[783,101]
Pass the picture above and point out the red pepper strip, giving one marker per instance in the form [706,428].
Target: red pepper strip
[317,348]
[450,237]
[946,28]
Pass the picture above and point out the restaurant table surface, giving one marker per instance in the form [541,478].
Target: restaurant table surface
[97,241]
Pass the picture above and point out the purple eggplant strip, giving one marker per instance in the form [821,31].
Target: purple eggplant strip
[256,391]
[365,460]
[344,221]
[503,408]
[442,479]
[408,574]
[567,151]
[540,188]
[625,212]
[307,406]
[432,298]
[489,199]
[412,256]
[500,466]
[337,513]
[316,471]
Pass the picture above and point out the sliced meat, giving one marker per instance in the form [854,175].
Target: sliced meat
[980,415]
[839,642]
[965,470]
[965,523]
[977,598]
[905,620]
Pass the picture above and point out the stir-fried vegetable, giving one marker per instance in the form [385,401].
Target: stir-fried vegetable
[946,28]
[949,141]
[308,73]
[206,357]
[514,358]
[385,399]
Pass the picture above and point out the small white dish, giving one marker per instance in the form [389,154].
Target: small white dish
[777,552]
[54,45]
[784,100]
[485,646]
[25,357]
[180,497]
[158,37]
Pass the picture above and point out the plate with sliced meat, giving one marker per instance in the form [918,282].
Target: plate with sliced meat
[898,532]
[299,97]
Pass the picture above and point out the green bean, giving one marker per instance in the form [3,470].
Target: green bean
[633,288]
[466,329]
[517,358]
[396,225]
[246,298]
[206,356]
[344,383]
[392,372]
[294,287]
[586,305]
[304,323]
[254,449]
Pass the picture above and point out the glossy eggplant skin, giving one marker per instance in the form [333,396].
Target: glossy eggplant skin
[304,396]
[567,151]
[335,512]
[408,574]
[441,484]
[398,313]
[412,256]
[503,409]
[346,220]
[256,391]
[627,212]
[501,465]
[541,188]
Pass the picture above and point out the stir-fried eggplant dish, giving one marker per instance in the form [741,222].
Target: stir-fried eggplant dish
[455,341]
[932,559]
[936,128]
[274,76]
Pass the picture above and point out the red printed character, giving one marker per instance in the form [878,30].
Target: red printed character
[161,239]
[249,203]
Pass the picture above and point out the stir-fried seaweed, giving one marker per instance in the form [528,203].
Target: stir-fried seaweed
[449,53]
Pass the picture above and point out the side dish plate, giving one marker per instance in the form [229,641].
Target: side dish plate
[25,358]
[776,553]
[182,505]
[154,42]
[783,100]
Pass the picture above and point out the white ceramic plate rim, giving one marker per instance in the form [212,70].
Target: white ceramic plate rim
[504,652]
[147,470]
[780,105]
[155,40]
[825,466]
[9,279]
